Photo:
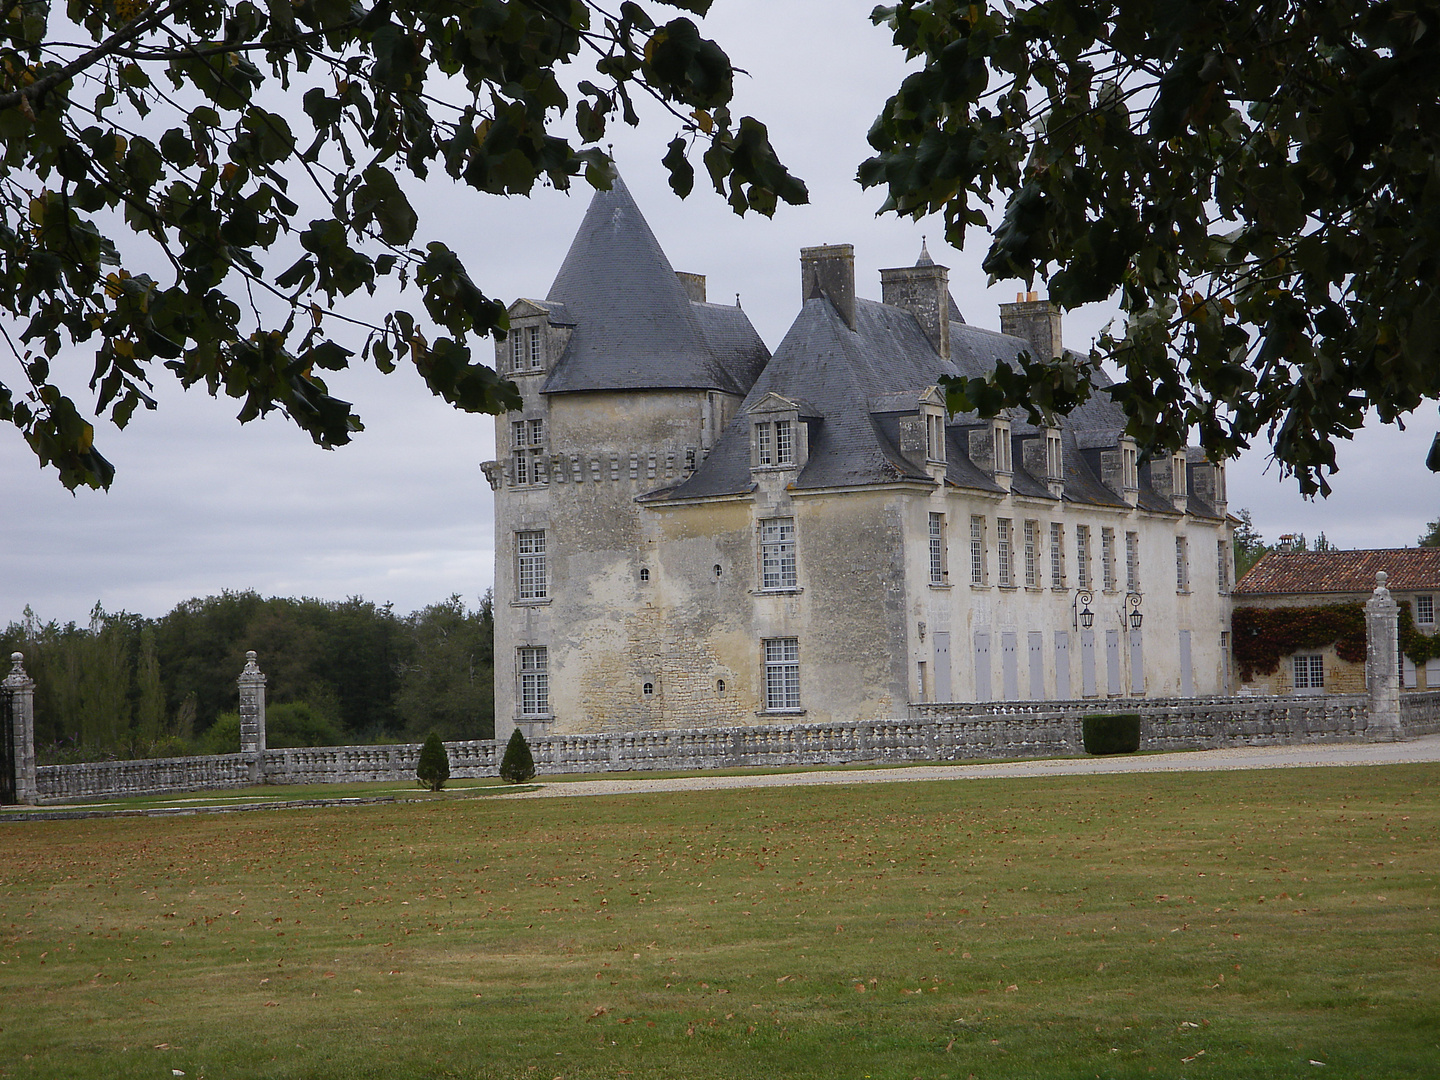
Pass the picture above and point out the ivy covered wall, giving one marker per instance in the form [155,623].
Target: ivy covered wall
[1265,636]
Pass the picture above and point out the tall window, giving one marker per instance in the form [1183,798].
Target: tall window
[1129,466]
[1000,429]
[784,442]
[938,572]
[1004,568]
[1107,558]
[1032,572]
[534,337]
[1179,486]
[777,554]
[1132,562]
[775,442]
[1309,672]
[1425,610]
[1054,460]
[1057,555]
[1222,559]
[1182,564]
[530,570]
[534,670]
[977,550]
[527,437]
[934,437]
[517,351]
[782,674]
[1082,555]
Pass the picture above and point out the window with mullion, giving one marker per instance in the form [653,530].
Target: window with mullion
[777,554]
[782,674]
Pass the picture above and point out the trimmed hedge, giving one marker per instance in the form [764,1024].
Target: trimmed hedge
[1111,733]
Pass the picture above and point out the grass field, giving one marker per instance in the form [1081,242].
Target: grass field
[1166,925]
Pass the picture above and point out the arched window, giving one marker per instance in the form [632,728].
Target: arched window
[644,573]
[649,689]
[719,686]
[717,569]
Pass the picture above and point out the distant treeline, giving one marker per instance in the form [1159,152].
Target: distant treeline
[339,672]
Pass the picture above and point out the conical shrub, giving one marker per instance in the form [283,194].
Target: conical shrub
[517,765]
[434,766]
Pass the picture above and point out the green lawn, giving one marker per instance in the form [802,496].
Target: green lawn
[1216,925]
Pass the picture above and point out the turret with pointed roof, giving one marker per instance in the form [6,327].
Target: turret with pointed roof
[636,326]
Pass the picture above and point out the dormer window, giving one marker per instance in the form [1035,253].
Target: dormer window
[527,353]
[1054,458]
[775,442]
[1179,486]
[1129,465]
[934,437]
[1000,432]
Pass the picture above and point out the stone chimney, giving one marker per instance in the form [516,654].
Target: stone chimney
[829,271]
[924,291]
[1035,320]
[693,284]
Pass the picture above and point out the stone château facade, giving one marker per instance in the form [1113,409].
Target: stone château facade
[691,532]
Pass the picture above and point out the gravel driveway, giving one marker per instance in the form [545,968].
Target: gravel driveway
[1426,748]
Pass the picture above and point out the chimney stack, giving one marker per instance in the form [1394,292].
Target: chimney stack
[924,291]
[829,271]
[1035,320]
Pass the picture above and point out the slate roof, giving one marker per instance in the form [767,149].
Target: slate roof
[636,327]
[858,383]
[1324,572]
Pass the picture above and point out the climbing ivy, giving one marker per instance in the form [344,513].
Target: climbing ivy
[1264,636]
[1418,646]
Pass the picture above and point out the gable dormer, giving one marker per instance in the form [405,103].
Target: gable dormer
[1120,469]
[991,450]
[778,439]
[1044,459]
[537,338]
[922,435]
[1169,476]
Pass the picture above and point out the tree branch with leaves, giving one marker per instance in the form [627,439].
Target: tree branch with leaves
[1254,181]
[155,167]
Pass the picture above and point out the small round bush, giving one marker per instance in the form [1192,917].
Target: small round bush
[518,765]
[434,766]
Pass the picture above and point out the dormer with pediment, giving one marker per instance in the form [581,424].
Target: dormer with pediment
[922,436]
[991,449]
[779,440]
[539,332]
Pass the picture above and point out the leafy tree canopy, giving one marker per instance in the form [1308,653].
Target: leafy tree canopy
[201,185]
[1256,180]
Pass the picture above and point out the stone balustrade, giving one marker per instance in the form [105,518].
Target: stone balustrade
[932,732]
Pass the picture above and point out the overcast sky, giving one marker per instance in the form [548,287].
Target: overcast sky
[403,514]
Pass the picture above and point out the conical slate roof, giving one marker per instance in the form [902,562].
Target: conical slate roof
[636,327]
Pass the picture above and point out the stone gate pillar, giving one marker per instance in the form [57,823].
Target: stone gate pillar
[1382,661]
[252,717]
[22,704]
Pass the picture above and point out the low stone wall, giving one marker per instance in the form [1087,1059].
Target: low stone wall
[154,776]
[933,732]
[1420,713]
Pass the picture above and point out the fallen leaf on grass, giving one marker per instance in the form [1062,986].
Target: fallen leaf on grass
[1314,1062]
[1192,1057]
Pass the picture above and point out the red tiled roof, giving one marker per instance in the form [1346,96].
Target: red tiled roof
[1410,569]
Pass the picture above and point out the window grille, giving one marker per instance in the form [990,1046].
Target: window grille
[777,554]
[784,443]
[782,674]
[1032,573]
[1082,555]
[534,680]
[1309,672]
[937,549]
[1057,555]
[977,551]
[1107,558]
[1425,610]
[1003,566]
[1132,562]
[1182,564]
[530,569]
